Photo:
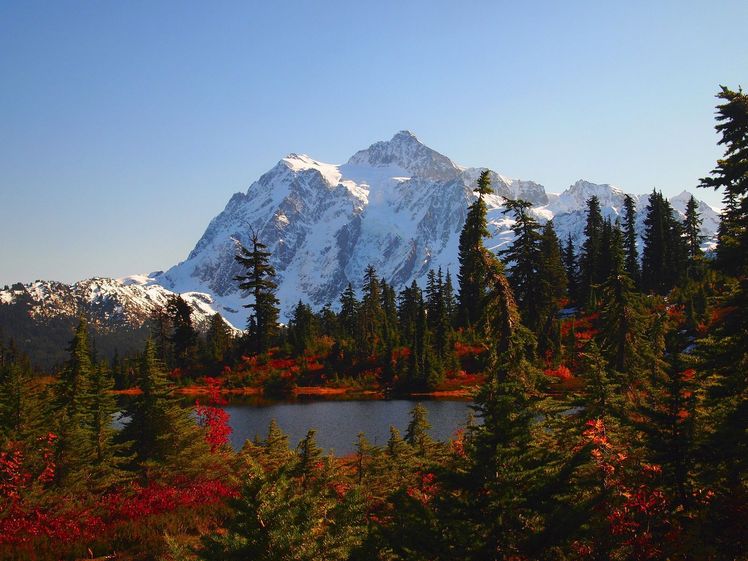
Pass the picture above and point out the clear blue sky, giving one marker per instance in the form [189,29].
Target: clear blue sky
[126,126]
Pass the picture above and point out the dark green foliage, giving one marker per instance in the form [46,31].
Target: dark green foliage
[371,317]
[731,175]
[417,434]
[552,291]
[348,316]
[262,325]
[310,455]
[471,291]
[623,339]
[302,328]
[663,258]
[630,238]
[423,367]
[590,275]
[22,404]
[217,341]
[279,518]
[568,255]
[72,398]
[163,437]
[184,336]
[523,258]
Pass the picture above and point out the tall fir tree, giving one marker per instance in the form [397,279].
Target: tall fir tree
[589,259]
[23,415]
[693,238]
[348,316]
[523,261]
[552,290]
[258,282]
[73,394]
[630,239]
[470,276]
[184,335]
[302,328]
[164,439]
[217,340]
[663,257]
[572,271]
[730,176]
[623,339]
[723,352]
[371,315]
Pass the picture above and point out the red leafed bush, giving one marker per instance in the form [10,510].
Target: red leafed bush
[637,511]
[562,372]
[426,490]
[214,419]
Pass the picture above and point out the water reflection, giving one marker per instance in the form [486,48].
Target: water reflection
[339,422]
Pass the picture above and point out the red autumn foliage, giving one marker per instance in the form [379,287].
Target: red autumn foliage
[458,444]
[214,419]
[30,509]
[462,350]
[561,372]
[426,490]
[636,510]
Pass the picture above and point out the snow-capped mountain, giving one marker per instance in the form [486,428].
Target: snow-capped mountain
[40,316]
[397,205]
[105,302]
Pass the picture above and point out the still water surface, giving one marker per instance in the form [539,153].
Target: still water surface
[339,422]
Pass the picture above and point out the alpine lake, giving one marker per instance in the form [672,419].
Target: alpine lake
[339,421]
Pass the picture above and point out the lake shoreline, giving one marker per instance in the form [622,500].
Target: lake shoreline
[345,392]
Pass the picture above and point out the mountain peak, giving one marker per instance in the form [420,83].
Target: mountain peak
[406,152]
[404,135]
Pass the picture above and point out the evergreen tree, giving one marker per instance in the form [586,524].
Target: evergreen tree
[723,353]
[589,259]
[108,458]
[439,322]
[409,304]
[523,258]
[163,437]
[371,315]
[262,324]
[501,483]
[184,335]
[217,340]
[552,280]
[471,290]
[73,395]
[568,255]
[630,237]
[310,456]
[450,303]
[275,450]
[605,261]
[417,434]
[278,517]
[623,339]
[302,328]
[730,176]
[693,238]
[663,257]
[22,407]
[389,309]
[348,317]
[161,330]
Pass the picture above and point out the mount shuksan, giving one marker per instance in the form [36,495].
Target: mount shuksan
[397,205]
